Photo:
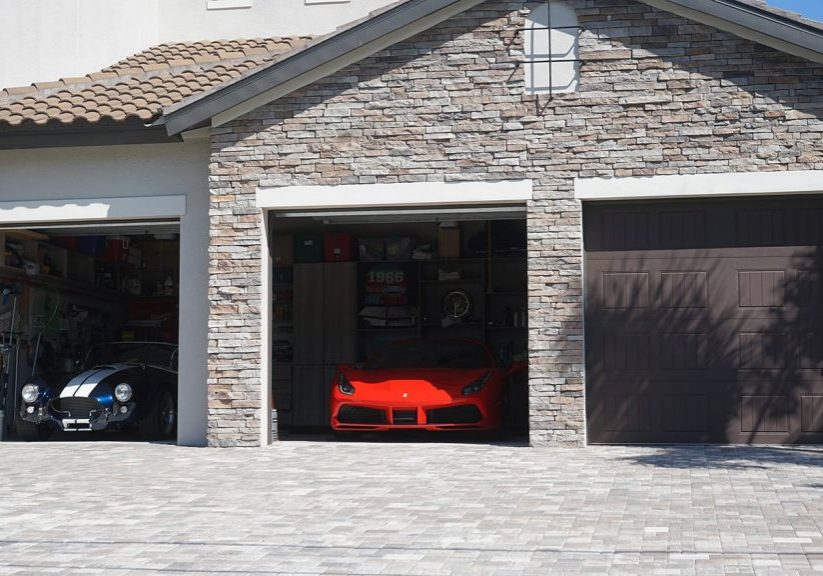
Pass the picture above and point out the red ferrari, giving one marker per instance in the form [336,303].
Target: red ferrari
[455,384]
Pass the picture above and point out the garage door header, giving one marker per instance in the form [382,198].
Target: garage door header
[85,209]
[394,195]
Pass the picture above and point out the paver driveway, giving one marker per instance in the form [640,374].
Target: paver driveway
[403,508]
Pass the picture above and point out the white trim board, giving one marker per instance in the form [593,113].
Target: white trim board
[394,195]
[699,185]
[74,210]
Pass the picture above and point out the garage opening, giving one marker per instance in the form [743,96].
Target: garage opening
[89,330]
[401,320]
[704,321]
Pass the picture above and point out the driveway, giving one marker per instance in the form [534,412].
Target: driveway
[305,507]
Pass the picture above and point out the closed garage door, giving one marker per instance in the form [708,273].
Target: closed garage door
[704,321]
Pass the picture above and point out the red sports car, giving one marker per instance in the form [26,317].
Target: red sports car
[454,384]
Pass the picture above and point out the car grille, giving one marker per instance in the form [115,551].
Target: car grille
[468,414]
[76,407]
[404,416]
[360,415]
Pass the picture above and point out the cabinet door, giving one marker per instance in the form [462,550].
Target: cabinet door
[340,312]
[310,398]
[308,314]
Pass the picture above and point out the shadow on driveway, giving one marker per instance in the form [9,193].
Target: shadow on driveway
[728,457]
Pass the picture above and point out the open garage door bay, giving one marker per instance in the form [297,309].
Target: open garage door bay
[704,321]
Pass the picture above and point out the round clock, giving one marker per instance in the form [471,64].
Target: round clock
[457,304]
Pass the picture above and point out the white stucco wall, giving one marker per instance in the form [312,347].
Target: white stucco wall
[49,39]
[141,170]
[45,40]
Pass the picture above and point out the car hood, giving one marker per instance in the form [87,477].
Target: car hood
[412,384]
[91,383]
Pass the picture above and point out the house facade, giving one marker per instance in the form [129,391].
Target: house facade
[670,200]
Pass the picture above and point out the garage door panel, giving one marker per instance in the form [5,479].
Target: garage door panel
[707,324]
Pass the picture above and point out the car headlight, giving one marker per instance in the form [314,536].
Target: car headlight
[345,386]
[123,392]
[477,385]
[30,393]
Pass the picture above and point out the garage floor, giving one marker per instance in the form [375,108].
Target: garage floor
[399,508]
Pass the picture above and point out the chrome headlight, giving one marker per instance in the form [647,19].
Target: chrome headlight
[477,385]
[345,386]
[123,392]
[30,393]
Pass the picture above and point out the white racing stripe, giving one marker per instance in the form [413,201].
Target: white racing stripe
[73,385]
[82,385]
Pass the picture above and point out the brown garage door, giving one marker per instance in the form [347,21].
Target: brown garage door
[704,321]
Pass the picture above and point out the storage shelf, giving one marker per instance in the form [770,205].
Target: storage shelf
[18,275]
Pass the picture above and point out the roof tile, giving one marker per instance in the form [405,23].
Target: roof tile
[139,86]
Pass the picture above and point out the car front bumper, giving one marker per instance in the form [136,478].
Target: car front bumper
[98,419]
[466,415]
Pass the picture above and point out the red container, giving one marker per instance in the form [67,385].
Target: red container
[338,247]
[117,250]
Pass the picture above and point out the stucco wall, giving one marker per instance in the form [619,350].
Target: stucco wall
[144,170]
[45,40]
[658,95]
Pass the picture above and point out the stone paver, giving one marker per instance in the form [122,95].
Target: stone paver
[390,508]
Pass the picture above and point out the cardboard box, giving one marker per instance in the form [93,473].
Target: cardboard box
[282,250]
[448,242]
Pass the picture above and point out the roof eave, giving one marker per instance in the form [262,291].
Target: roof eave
[315,62]
[91,135]
[751,23]
[403,21]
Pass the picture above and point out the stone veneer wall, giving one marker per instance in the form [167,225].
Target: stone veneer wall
[658,95]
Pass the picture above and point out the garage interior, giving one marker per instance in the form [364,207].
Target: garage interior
[704,321]
[346,284]
[66,288]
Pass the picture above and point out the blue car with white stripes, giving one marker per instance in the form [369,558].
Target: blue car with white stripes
[121,385]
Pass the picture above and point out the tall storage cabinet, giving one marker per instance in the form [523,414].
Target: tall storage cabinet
[325,334]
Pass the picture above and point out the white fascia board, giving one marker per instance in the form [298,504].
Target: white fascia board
[699,185]
[736,29]
[394,195]
[340,62]
[94,209]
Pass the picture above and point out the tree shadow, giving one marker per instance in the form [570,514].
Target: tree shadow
[704,324]
[729,457]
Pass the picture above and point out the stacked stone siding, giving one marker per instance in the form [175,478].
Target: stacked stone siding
[658,95]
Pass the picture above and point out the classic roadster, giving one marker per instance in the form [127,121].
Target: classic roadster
[120,385]
[449,384]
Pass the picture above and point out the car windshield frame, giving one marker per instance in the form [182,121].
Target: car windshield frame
[160,354]
[392,357]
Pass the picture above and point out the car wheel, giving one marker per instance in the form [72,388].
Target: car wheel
[161,421]
[31,432]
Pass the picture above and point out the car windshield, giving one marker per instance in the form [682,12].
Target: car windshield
[455,354]
[154,353]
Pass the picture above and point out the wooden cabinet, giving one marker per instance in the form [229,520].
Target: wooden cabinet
[325,316]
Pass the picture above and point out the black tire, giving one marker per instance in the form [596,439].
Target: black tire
[31,432]
[161,421]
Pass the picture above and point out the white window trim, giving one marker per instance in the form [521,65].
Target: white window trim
[228,4]
[75,210]
[699,185]
[310,2]
[387,196]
